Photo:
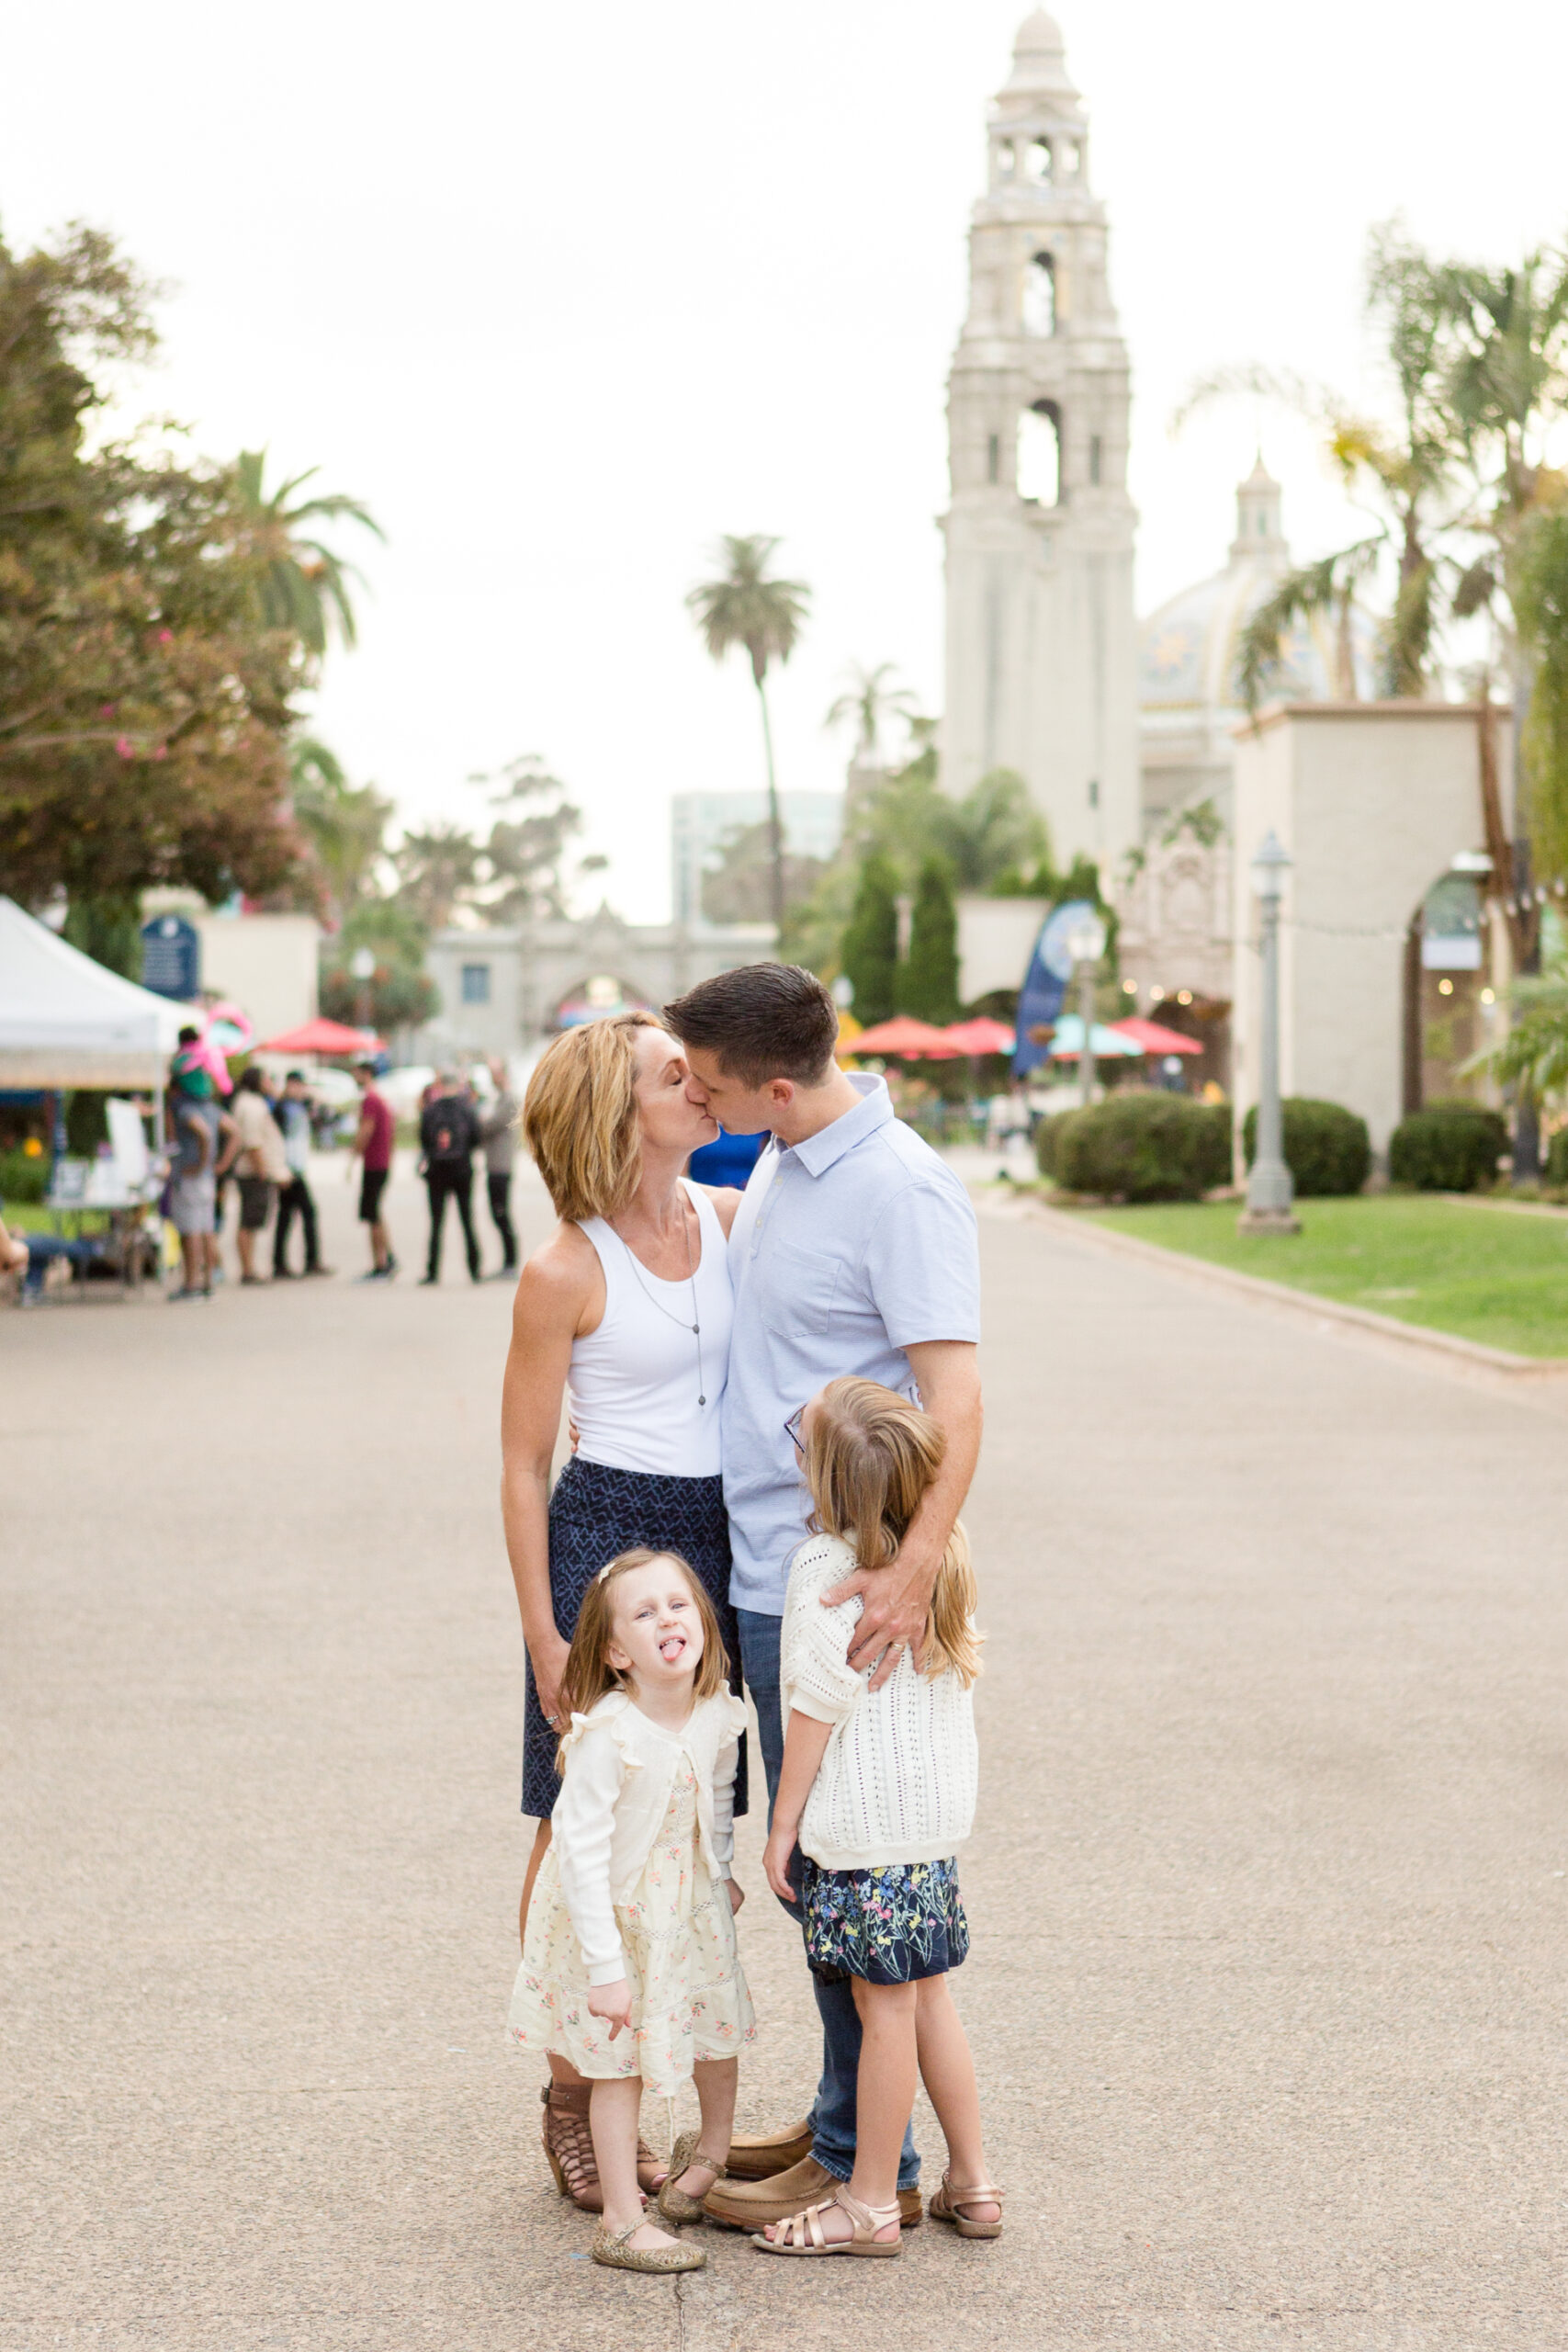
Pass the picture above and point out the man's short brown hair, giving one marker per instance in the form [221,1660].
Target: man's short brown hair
[760,1022]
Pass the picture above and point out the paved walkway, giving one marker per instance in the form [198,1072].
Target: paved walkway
[1268,1897]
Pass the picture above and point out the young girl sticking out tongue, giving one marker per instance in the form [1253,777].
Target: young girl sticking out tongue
[629,1966]
[879,1787]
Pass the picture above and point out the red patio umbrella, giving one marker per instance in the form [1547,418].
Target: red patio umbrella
[321,1036]
[1154,1039]
[907,1039]
[981,1036]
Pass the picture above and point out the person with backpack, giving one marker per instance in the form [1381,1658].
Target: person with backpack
[448,1137]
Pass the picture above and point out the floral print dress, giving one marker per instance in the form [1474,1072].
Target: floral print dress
[688,1995]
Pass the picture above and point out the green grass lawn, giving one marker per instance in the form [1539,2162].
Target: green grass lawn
[1475,1270]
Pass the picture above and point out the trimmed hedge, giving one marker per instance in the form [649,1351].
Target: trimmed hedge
[1557,1159]
[1141,1146]
[1327,1149]
[1452,1148]
[1045,1139]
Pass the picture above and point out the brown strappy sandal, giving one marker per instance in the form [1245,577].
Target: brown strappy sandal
[951,2204]
[803,2234]
[568,2148]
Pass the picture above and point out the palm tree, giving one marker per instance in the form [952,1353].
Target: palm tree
[344,823]
[748,606]
[302,583]
[870,701]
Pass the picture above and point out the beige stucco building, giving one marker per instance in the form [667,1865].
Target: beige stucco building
[1379,805]
[1041,633]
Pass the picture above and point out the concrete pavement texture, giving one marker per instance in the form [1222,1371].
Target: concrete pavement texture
[1267,1891]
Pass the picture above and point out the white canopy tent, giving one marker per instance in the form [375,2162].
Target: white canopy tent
[64,1021]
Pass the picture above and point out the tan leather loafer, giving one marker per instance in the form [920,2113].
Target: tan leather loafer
[752,2204]
[757,2156]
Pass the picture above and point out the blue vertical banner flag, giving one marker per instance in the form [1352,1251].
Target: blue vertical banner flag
[1045,986]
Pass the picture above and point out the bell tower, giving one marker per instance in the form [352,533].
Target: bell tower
[1041,633]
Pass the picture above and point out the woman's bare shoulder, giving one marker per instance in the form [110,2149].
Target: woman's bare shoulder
[559,1277]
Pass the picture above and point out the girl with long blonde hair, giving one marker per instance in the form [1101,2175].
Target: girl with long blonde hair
[630,1971]
[878,1788]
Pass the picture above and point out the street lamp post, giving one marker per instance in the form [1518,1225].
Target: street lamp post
[363,966]
[1270,1193]
[1086,945]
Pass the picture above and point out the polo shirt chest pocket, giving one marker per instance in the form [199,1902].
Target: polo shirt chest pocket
[802,1286]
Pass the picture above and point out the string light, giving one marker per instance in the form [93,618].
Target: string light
[1445,988]
[1488,996]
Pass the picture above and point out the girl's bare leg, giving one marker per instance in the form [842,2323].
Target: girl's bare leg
[947,2071]
[885,2098]
[717,2080]
[612,2118]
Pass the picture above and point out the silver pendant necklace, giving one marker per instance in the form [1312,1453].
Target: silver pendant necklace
[695,1325]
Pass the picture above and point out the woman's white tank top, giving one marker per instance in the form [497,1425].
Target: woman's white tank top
[633,1384]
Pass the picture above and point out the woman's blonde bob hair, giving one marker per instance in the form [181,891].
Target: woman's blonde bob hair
[579,1116]
[869,1459]
[589,1673]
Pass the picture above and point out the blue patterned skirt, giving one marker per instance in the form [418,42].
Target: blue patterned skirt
[888,1926]
[596,1512]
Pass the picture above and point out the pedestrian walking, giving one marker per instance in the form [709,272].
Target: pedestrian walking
[498,1132]
[876,1795]
[256,1155]
[448,1138]
[294,1198]
[373,1150]
[631,1928]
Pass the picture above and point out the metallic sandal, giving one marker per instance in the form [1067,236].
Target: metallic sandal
[951,2204]
[674,2204]
[805,2234]
[616,2254]
[568,2148]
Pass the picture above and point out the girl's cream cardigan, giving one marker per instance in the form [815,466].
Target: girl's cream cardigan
[900,1772]
[618,1771]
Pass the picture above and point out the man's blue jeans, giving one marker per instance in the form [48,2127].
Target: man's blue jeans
[833,2116]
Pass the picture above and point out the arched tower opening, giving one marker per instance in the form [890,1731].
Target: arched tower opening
[1039,453]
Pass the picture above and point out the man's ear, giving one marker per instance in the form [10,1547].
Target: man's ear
[781,1092]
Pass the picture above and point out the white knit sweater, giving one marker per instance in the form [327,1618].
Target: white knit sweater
[898,1779]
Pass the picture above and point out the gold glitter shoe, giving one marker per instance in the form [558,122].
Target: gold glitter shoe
[674,2204]
[616,2254]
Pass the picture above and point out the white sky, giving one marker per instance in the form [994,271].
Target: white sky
[565,291]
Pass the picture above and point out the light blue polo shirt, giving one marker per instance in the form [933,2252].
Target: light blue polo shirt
[846,1250]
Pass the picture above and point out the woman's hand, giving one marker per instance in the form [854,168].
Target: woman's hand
[775,1861]
[547,1657]
[736,1897]
[613,2003]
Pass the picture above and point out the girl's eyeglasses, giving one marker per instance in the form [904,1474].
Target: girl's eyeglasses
[792,1426]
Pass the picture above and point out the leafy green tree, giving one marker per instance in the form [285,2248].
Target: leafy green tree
[525,855]
[301,583]
[868,953]
[144,707]
[739,888]
[438,865]
[746,605]
[926,982]
[109,930]
[398,996]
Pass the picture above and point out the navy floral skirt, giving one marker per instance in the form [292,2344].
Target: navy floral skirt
[888,1926]
[597,1511]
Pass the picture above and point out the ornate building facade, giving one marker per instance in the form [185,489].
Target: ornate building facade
[1041,632]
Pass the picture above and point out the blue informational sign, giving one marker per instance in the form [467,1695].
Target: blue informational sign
[1045,985]
[171,957]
